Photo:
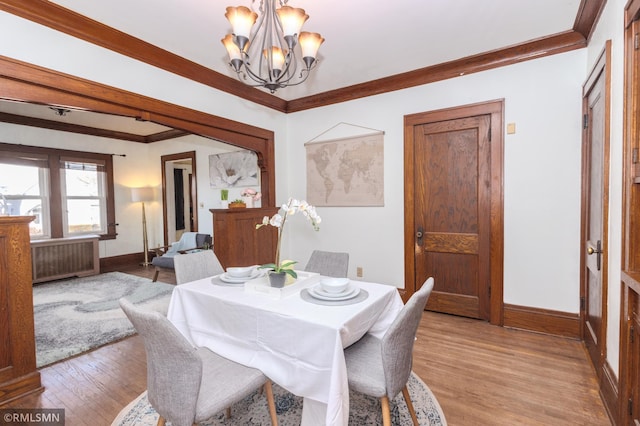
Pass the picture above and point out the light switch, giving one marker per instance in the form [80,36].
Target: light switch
[511,128]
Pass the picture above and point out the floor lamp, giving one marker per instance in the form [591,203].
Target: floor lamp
[140,195]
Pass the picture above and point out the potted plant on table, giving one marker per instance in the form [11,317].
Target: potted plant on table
[278,271]
[250,196]
[237,204]
[224,198]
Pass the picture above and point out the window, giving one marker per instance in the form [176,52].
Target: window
[84,197]
[69,193]
[23,192]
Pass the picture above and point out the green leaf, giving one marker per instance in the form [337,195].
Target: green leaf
[290,272]
[268,266]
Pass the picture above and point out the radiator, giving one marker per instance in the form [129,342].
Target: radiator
[64,257]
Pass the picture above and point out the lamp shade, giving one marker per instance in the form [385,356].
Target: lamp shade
[310,43]
[241,19]
[142,194]
[291,19]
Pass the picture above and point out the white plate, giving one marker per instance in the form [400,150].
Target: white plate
[318,293]
[239,280]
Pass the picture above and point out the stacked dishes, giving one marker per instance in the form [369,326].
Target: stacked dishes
[334,289]
[239,275]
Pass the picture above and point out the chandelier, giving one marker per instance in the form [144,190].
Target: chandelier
[267,55]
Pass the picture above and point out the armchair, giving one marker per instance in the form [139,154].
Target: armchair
[189,241]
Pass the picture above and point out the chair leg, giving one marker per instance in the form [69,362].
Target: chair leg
[271,403]
[161,421]
[407,399]
[155,275]
[386,411]
[227,412]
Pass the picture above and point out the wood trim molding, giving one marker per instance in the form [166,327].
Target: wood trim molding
[588,14]
[545,321]
[87,130]
[24,82]
[64,20]
[609,392]
[116,263]
[559,43]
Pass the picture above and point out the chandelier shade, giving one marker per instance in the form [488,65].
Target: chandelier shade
[263,48]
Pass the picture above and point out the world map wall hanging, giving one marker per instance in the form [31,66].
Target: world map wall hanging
[346,172]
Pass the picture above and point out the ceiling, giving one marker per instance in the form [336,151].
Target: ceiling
[364,40]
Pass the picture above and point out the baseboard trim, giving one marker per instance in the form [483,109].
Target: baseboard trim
[542,321]
[609,393]
[114,263]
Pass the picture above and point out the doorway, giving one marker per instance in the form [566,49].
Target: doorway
[179,199]
[594,211]
[454,208]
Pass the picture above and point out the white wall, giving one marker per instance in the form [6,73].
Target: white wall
[541,177]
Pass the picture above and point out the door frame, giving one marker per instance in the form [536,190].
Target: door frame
[601,66]
[495,109]
[190,155]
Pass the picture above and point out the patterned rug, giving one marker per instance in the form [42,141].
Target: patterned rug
[76,315]
[253,410]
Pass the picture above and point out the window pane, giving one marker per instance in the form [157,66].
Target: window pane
[82,183]
[21,194]
[19,180]
[84,216]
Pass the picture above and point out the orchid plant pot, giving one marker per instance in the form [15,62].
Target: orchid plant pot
[277,279]
[248,200]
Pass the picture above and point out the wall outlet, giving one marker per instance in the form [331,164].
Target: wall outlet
[359,272]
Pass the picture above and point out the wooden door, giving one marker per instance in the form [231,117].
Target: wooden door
[595,195]
[451,201]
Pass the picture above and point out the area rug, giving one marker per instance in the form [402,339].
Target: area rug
[253,410]
[76,315]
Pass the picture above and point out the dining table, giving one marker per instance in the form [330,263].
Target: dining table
[295,339]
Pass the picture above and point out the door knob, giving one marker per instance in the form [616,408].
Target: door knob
[597,251]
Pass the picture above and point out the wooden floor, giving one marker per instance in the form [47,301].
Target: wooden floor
[481,375]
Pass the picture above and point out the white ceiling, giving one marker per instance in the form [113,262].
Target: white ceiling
[364,39]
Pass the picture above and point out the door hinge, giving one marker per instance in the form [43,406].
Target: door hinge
[634,156]
[632,334]
[585,121]
[489,290]
[582,303]
[489,134]
[630,406]
[636,41]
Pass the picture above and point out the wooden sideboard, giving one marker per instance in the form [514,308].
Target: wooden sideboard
[18,373]
[237,242]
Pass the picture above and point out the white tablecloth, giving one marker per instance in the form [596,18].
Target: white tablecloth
[297,344]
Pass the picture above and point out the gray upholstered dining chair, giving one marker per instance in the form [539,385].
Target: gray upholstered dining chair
[381,367]
[188,385]
[196,265]
[328,263]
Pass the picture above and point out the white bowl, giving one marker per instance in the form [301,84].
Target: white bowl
[239,271]
[334,285]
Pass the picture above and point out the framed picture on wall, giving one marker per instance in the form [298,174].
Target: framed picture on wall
[234,169]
